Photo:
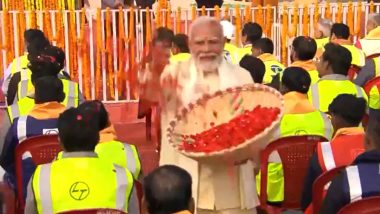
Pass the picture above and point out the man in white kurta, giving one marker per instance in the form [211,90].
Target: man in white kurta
[229,189]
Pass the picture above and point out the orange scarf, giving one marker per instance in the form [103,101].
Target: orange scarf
[297,103]
[107,134]
[47,110]
[308,65]
[267,57]
[349,131]
[373,34]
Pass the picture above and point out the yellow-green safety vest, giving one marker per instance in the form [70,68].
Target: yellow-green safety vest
[19,63]
[241,52]
[322,42]
[20,108]
[374,98]
[81,183]
[313,123]
[122,154]
[358,56]
[314,76]
[180,57]
[272,68]
[70,88]
[230,52]
[322,93]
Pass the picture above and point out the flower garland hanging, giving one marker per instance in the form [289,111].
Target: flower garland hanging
[178,20]
[98,53]
[358,20]
[193,13]
[237,25]
[328,11]
[120,81]
[226,13]
[305,21]
[203,11]
[295,21]
[86,76]
[339,13]
[109,55]
[350,17]
[132,77]
[217,12]
[73,45]
[268,21]
[169,22]
[371,7]
[284,35]
[316,14]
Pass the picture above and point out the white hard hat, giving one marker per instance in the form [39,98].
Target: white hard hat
[228,29]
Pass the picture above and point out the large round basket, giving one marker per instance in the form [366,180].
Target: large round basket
[220,108]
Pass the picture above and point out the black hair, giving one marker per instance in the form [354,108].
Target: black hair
[305,47]
[181,41]
[264,44]
[78,132]
[255,66]
[32,34]
[349,107]
[373,127]
[253,31]
[48,89]
[163,34]
[340,30]
[167,189]
[47,62]
[95,107]
[296,79]
[338,57]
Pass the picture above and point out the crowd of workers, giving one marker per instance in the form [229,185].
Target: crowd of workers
[322,89]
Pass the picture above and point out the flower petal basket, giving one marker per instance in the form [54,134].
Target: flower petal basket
[220,108]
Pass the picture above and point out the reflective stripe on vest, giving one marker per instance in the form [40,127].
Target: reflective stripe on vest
[70,102]
[24,84]
[330,92]
[45,191]
[13,112]
[21,108]
[328,130]
[354,183]
[21,128]
[130,154]
[377,66]
[328,156]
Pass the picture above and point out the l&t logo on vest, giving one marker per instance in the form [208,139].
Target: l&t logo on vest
[79,190]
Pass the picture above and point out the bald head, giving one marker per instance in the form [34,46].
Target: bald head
[373,21]
[323,28]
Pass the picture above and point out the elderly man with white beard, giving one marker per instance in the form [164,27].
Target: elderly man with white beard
[230,189]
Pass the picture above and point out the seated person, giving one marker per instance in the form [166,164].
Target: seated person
[347,143]
[49,61]
[168,190]
[300,118]
[34,40]
[250,33]
[180,48]
[254,66]
[302,54]
[42,119]
[64,184]
[340,34]
[263,49]
[109,147]
[333,69]
[360,180]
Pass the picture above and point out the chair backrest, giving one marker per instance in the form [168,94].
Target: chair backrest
[7,197]
[368,86]
[43,149]
[295,153]
[368,205]
[319,187]
[94,211]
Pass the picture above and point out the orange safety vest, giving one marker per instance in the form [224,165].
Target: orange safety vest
[341,151]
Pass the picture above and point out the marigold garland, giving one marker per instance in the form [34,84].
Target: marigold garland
[284,35]
[73,45]
[237,25]
[371,7]
[121,44]
[203,11]
[339,13]
[316,14]
[193,13]
[148,27]
[305,21]
[294,21]
[158,16]
[259,16]
[109,54]
[169,21]
[358,20]
[217,12]
[21,29]
[132,77]
[350,17]
[328,11]
[178,20]
[247,14]
[268,21]
[98,53]
[85,57]
[47,24]
[226,13]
